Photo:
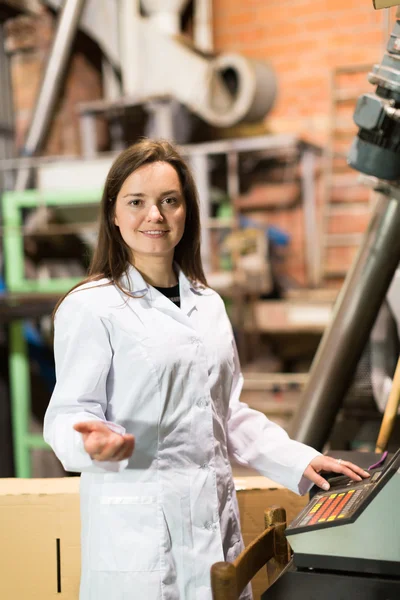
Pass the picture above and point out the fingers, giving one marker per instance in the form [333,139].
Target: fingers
[86,427]
[116,447]
[83,427]
[355,468]
[130,445]
[327,463]
[347,468]
[127,448]
[316,478]
[103,444]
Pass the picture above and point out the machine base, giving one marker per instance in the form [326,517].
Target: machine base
[295,584]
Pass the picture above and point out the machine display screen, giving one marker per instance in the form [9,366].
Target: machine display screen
[345,500]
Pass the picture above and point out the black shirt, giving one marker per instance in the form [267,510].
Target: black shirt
[172,293]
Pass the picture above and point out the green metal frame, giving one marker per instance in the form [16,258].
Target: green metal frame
[13,245]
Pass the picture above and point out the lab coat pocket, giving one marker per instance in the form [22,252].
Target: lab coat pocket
[125,530]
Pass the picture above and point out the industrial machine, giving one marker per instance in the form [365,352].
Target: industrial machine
[375,153]
[346,541]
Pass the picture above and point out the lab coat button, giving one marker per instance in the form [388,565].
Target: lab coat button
[201,403]
[209,525]
[194,340]
[204,466]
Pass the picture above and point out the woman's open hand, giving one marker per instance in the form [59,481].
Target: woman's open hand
[101,443]
[327,463]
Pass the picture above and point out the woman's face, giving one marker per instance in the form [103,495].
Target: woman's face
[150,210]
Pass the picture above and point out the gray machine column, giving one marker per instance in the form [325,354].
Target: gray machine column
[355,312]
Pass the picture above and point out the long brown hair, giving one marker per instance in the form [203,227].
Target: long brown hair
[112,256]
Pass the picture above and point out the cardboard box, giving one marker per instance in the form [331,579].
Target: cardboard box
[40,533]
[385,3]
[40,539]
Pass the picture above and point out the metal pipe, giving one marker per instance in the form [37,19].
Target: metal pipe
[387,29]
[51,83]
[6,111]
[129,46]
[312,233]
[202,25]
[6,114]
[200,168]
[354,314]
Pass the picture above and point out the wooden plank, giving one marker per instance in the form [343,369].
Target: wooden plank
[290,317]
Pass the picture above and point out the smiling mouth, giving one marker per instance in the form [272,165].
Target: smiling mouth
[155,232]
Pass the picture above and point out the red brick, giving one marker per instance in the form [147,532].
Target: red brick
[348,223]
[338,259]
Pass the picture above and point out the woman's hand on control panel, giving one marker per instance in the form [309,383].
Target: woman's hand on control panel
[329,464]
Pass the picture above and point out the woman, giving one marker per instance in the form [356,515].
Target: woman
[145,356]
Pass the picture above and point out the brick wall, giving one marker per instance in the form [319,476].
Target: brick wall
[305,41]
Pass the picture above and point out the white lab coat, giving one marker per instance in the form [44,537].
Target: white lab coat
[153,525]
